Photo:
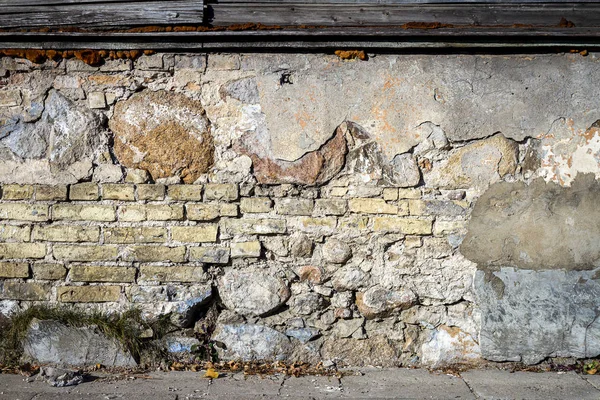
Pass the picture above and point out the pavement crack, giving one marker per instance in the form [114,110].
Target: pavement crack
[469,387]
[281,385]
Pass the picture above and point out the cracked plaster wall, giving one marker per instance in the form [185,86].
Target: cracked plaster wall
[339,193]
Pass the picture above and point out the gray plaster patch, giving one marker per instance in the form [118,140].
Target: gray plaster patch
[538,226]
[531,315]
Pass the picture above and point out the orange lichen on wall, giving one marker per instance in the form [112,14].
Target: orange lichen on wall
[351,54]
[90,57]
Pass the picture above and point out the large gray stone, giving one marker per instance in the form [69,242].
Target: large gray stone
[55,343]
[378,301]
[531,315]
[336,251]
[252,292]
[251,342]
[57,148]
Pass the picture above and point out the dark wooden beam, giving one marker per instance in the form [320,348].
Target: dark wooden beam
[98,13]
[333,13]
[319,39]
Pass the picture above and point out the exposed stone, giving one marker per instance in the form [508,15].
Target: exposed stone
[316,167]
[106,173]
[300,245]
[537,226]
[180,344]
[55,343]
[479,164]
[250,342]
[58,148]
[403,171]
[304,335]
[164,133]
[244,90]
[336,251]
[137,176]
[96,100]
[377,350]
[378,301]
[349,278]
[345,328]
[252,292]
[306,303]
[311,273]
[449,345]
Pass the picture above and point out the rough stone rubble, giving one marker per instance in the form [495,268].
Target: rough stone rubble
[322,213]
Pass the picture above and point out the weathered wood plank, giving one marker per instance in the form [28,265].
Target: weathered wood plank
[104,13]
[288,14]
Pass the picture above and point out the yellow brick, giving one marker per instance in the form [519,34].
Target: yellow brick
[185,192]
[445,227]
[116,191]
[132,213]
[202,212]
[372,206]
[15,233]
[251,226]
[172,274]
[155,253]
[322,225]
[17,192]
[143,234]
[409,194]
[229,210]
[24,212]
[22,250]
[256,204]
[49,271]
[79,212]
[151,192]
[411,242]
[221,191]
[354,222]
[294,206]
[402,225]
[245,249]
[84,191]
[210,255]
[85,253]
[66,233]
[331,207]
[195,234]
[95,273]
[390,194]
[14,270]
[403,207]
[28,291]
[88,294]
[164,212]
[50,193]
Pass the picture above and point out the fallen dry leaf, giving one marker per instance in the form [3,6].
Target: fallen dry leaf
[211,373]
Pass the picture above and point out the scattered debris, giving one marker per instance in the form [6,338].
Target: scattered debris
[59,377]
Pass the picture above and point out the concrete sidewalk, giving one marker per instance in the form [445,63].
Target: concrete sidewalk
[365,384]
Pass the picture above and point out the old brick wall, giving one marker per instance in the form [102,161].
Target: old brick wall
[320,203]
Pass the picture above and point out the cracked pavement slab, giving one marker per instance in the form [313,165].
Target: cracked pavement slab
[361,383]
